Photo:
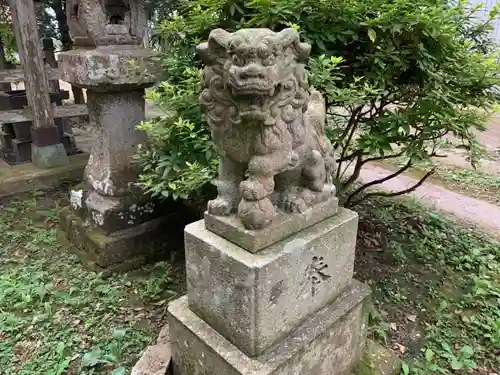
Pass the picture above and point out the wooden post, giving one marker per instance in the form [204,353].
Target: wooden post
[30,54]
[46,148]
[50,60]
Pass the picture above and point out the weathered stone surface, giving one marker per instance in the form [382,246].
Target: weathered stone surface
[266,125]
[110,170]
[328,343]
[111,214]
[28,177]
[49,156]
[254,300]
[143,241]
[164,336]
[113,221]
[154,361]
[97,22]
[377,360]
[232,229]
[22,150]
[156,358]
[109,68]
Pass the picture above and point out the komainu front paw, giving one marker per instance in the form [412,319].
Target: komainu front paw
[256,214]
[255,189]
[295,205]
[220,206]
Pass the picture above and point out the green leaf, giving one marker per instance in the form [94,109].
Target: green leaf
[60,348]
[467,351]
[372,34]
[93,358]
[119,333]
[429,355]
[456,364]
[119,371]
[406,368]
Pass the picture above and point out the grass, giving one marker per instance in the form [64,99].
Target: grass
[57,317]
[471,182]
[436,290]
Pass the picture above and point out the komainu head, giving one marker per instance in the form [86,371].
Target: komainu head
[254,62]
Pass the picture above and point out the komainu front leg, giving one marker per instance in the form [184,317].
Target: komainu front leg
[256,209]
[228,184]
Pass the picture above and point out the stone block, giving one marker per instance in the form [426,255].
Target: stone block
[156,358]
[329,342]
[254,300]
[154,361]
[143,241]
[6,141]
[285,224]
[109,68]
[22,150]
[22,130]
[111,214]
[69,143]
[49,156]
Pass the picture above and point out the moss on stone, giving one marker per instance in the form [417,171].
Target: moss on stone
[377,360]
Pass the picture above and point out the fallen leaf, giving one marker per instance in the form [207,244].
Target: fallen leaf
[399,347]
[411,318]
[393,326]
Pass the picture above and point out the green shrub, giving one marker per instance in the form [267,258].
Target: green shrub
[398,76]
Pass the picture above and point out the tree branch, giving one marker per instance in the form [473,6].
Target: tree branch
[383,157]
[379,181]
[350,130]
[355,173]
[394,193]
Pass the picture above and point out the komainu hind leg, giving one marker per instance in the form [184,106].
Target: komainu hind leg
[312,187]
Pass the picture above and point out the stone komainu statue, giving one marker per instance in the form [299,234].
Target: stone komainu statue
[266,126]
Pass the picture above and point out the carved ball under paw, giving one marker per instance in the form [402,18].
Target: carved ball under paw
[220,207]
[329,190]
[256,214]
[294,203]
[254,189]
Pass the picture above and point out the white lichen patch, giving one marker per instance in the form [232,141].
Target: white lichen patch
[76,199]
[98,218]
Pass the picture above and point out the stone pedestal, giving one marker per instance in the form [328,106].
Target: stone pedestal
[277,301]
[110,220]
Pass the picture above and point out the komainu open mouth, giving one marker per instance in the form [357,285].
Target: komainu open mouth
[251,87]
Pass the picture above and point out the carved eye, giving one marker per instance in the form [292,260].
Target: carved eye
[263,51]
[234,43]
[238,60]
[269,61]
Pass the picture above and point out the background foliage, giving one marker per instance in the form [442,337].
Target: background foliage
[398,76]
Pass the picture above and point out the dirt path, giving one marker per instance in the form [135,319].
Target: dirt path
[473,211]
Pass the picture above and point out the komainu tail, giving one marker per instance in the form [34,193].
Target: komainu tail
[315,115]
[315,119]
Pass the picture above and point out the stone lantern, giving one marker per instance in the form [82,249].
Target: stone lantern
[110,219]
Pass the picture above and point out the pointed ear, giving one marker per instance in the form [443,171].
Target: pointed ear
[215,49]
[290,38]
[202,52]
[218,42]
